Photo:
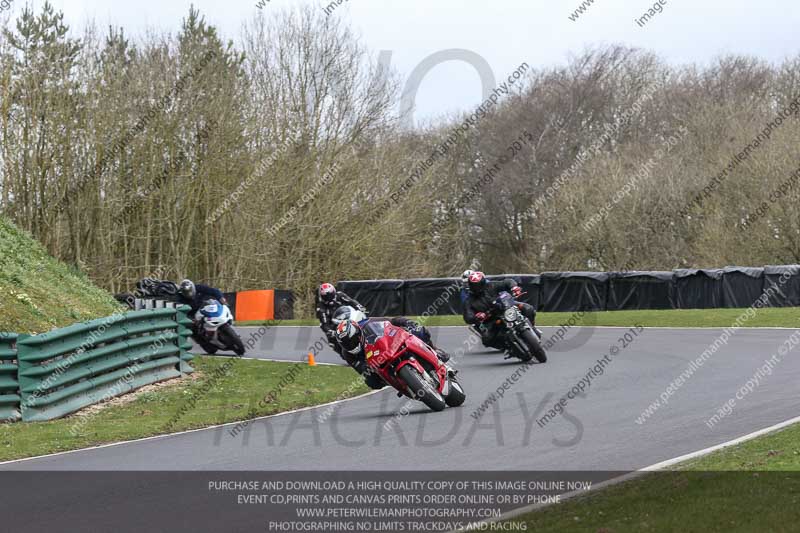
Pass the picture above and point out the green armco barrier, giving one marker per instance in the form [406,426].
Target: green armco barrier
[9,383]
[66,369]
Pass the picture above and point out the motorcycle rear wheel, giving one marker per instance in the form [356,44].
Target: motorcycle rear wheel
[207,347]
[422,390]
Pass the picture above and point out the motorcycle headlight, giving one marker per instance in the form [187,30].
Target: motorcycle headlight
[511,314]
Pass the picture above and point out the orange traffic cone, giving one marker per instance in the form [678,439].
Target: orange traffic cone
[311,361]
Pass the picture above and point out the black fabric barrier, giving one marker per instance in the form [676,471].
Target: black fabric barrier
[782,284]
[697,289]
[741,286]
[432,296]
[230,297]
[640,290]
[381,297]
[283,305]
[574,291]
[731,286]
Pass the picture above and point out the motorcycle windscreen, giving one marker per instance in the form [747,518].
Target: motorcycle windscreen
[374,331]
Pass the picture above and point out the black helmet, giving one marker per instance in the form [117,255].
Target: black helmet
[187,289]
[350,337]
[477,282]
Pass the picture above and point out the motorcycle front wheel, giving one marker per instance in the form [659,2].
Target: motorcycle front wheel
[420,389]
[231,339]
[533,345]
[456,396]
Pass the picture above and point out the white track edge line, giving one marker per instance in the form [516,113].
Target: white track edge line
[647,469]
[167,435]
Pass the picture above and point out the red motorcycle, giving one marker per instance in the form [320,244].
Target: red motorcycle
[411,366]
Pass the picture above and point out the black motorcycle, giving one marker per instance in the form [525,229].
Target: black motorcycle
[513,332]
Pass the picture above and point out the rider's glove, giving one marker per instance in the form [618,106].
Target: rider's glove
[516,291]
[480,316]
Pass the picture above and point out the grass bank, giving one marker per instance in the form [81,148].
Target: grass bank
[41,293]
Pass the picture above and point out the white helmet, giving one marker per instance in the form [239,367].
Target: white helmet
[350,336]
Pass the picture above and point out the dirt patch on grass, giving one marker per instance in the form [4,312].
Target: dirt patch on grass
[132,396]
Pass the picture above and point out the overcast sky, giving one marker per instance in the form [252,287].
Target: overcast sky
[506,34]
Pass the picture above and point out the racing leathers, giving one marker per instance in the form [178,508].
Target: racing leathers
[478,307]
[325,312]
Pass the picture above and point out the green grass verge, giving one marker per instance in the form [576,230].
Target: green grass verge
[293,322]
[230,399]
[754,486]
[41,293]
[788,317]
[776,452]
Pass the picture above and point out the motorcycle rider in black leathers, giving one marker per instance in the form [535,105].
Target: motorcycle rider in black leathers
[350,338]
[327,302]
[478,305]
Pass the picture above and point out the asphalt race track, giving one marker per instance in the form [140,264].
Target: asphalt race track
[598,431]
